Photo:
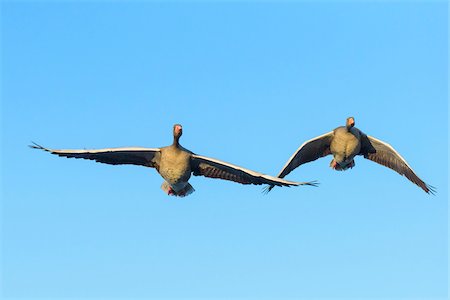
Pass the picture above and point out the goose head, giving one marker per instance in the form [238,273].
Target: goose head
[177,132]
[350,123]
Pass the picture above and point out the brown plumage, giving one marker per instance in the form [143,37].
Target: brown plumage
[175,164]
[345,143]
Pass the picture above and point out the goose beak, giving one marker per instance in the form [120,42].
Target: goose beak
[178,129]
[351,122]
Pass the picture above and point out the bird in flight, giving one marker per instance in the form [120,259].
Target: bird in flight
[346,142]
[175,164]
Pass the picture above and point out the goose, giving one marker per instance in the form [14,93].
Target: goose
[175,164]
[346,142]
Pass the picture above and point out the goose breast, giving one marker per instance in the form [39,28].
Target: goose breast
[175,167]
[345,144]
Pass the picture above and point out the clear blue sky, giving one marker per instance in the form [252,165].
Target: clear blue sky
[249,82]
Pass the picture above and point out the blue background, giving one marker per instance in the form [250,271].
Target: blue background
[249,82]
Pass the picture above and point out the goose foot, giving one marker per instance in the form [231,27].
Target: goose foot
[336,166]
[333,164]
[167,188]
[171,192]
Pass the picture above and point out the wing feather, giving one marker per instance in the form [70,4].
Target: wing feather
[310,150]
[213,168]
[114,156]
[384,154]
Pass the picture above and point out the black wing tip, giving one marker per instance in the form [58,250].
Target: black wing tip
[267,189]
[430,190]
[310,183]
[36,146]
[314,183]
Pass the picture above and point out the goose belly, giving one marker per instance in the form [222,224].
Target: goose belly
[176,172]
[345,146]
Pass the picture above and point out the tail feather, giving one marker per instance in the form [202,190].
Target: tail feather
[336,166]
[187,190]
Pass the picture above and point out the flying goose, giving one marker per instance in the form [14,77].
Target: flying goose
[345,143]
[175,164]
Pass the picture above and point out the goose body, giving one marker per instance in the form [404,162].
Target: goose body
[175,164]
[344,146]
[346,142]
[175,168]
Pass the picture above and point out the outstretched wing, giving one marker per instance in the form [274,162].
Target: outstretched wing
[213,168]
[384,154]
[309,151]
[147,157]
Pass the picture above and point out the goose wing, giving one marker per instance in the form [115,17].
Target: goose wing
[384,154]
[309,151]
[148,157]
[214,168]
